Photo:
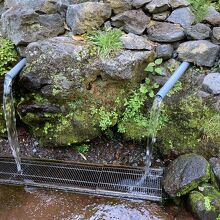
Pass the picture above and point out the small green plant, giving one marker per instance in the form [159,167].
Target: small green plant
[106,118]
[218,217]
[8,56]
[106,42]
[83,148]
[178,87]
[199,8]
[155,67]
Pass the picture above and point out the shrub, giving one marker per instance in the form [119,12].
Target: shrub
[8,55]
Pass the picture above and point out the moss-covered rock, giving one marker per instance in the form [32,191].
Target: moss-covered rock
[205,204]
[185,174]
[69,95]
[193,127]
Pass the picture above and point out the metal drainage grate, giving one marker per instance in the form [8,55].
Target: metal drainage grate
[84,178]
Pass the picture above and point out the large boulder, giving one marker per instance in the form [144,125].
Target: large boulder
[182,16]
[165,32]
[70,95]
[85,17]
[211,83]
[185,174]
[24,25]
[134,21]
[200,52]
[28,3]
[198,32]
[205,203]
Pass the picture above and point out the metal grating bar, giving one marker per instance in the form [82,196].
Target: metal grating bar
[84,178]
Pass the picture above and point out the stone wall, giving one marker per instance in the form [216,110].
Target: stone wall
[59,86]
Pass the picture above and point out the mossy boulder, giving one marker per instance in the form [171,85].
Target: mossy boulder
[185,174]
[69,95]
[193,127]
[205,203]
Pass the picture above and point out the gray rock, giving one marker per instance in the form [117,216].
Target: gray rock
[212,17]
[215,165]
[216,105]
[24,25]
[88,16]
[164,51]
[69,83]
[2,8]
[135,42]
[134,21]
[201,52]
[139,3]
[161,16]
[185,174]
[216,33]
[156,6]
[178,3]
[198,32]
[211,83]
[165,32]
[120,6]
[28,3]
[205,202]
[182,16]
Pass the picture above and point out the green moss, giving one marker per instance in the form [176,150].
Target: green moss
[192,125]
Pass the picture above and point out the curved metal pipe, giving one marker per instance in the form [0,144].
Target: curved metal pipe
[172,80]
[14,72]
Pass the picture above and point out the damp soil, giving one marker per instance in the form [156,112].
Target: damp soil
[19,203]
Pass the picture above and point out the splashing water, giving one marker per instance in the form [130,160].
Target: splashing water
[154,123]
[9,113]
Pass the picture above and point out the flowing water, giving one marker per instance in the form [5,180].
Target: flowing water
[9,113]
[154,122]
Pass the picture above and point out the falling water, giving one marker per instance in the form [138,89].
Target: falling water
[9,112]
[154,123]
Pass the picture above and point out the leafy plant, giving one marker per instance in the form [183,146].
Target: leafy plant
[106,42]
[155,67]
[8,55]
[133,115]
[199,8]
[106,118]
[178,87]
[207,203]
[83,148]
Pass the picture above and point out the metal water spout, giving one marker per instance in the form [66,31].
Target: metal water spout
[172,80]
[9,112]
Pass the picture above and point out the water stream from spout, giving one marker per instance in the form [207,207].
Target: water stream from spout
[154,122]
[9,113]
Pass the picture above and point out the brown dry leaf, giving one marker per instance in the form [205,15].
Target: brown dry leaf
[77,38]
[66,26]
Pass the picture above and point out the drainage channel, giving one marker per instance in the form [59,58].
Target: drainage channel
[105,180]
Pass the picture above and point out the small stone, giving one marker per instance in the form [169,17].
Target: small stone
[156,6]
[212,17]
[198,32]
[161,16]
[135,42]
[134,21]
[216,33]
[215,165]
[120,6]
[164,51]
[202,94]
[139,3]
[182,16]
[165,32]
[178,3]
[185,174]
[28,3]
[200,52]
[87,16]
[216,105]
[34,150]
[211,83]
